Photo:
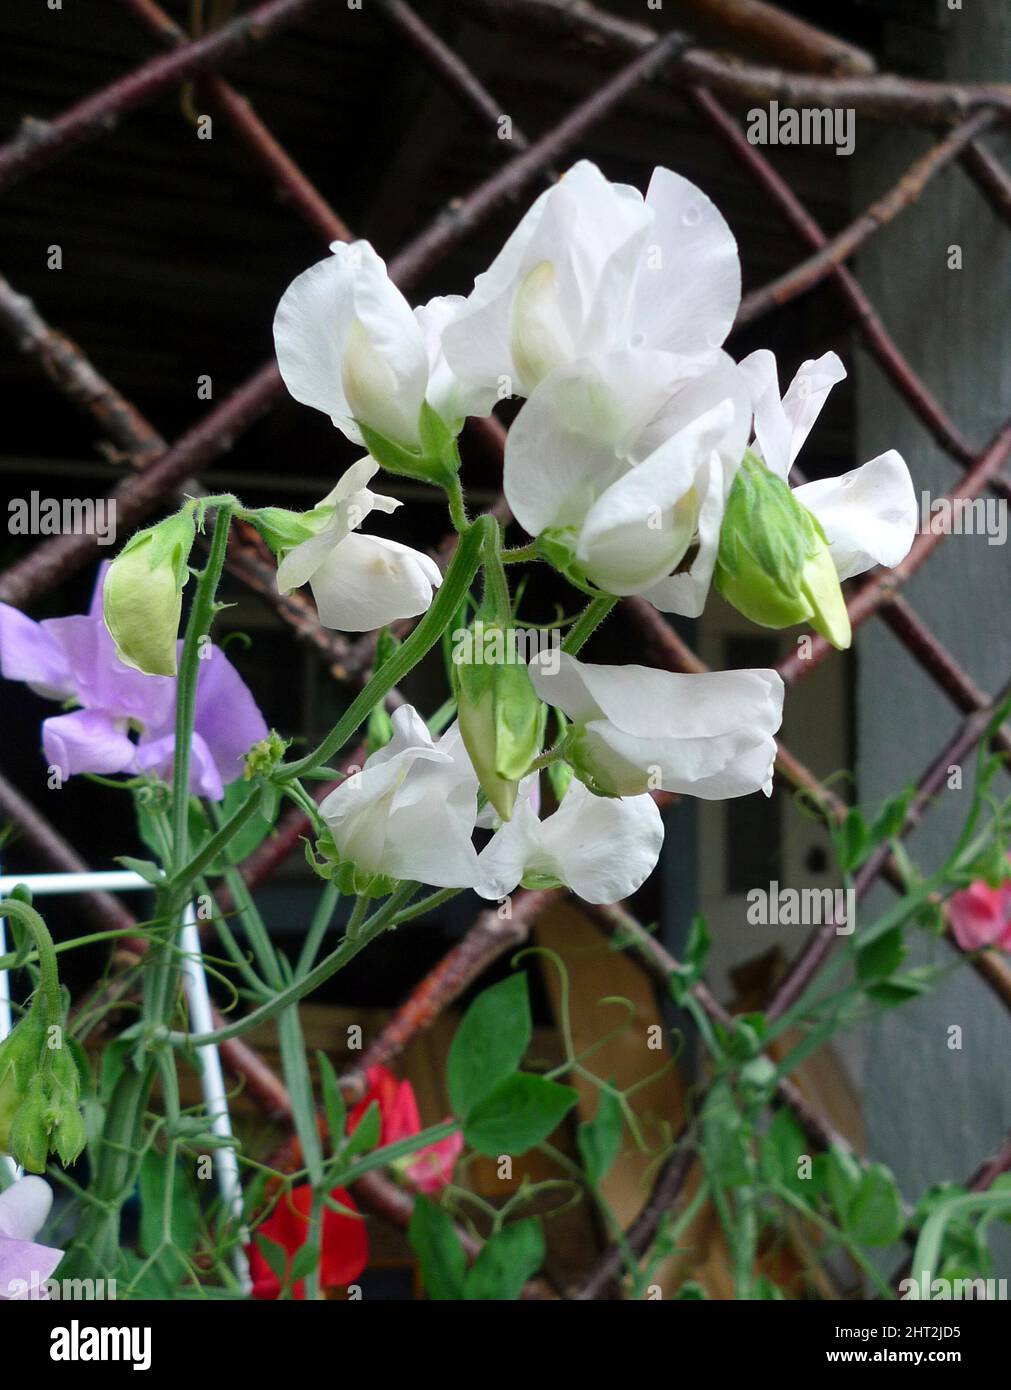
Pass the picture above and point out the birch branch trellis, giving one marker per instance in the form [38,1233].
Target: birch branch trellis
[822,71]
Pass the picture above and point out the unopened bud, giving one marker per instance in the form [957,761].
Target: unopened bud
[501,717]
[142,597]
[774,564]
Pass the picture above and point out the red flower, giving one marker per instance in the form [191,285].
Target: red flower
[345,1241]
[398,1108]
[345,1250]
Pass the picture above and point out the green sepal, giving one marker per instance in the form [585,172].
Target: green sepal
[436,461]
[556,545]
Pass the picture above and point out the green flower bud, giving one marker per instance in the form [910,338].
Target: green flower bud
[40,1087]
[501,716]
[142,598]
[264,757]
[29,1141]
[69,1134]
[20,1052]
[774,564]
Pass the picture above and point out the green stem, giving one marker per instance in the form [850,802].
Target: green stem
[49,975]
[928,1246]
[221,838]
[253,924]
[520,554]
[381,1158]
[200,619]
[322,917]
[587,623]
[357,917]
[496,586]
[442,612]
[457,506]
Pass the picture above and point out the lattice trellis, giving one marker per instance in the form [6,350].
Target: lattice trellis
[825,72]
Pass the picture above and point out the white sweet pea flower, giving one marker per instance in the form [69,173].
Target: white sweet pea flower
[603,848]
[623,467]
[868,515]
[359,582]
[636,729]
[411,811]
[594,267]
[348,343]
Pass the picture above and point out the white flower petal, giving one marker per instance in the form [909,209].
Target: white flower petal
[603,848]
[569,441]
[504,859]
[449,397]
[781,426]
[348,344]
[24,1207]
[432,819]
[689,283]
[367,582]
[301,563]
[686,592]
[709,735]
[358,812]
[869,515]
[637,531]
[352,502]
[586,229]
[311,326]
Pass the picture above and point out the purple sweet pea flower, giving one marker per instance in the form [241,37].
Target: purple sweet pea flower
[74,659]
[24,1265]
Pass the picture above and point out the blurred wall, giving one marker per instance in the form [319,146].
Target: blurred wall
[933,1112]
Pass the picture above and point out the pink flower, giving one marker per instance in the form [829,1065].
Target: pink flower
[981,916]
[431,1168]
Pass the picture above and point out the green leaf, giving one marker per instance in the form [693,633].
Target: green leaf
[152,1284]
[333,1099]
[506,1261]
[521,1111]
[875,1215]
[599,1139]
[114,1056]
[901,988]
[892,817]
[148,871]
[303,1262]
[881,957]
[852,841]
[783,1145]
[276,1256]
[169,1235]
[693,963]
[841,1174]
[725,1140]
[365,1135]
[441,1256]
[691,1290]
[489,1043]
[255,830]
